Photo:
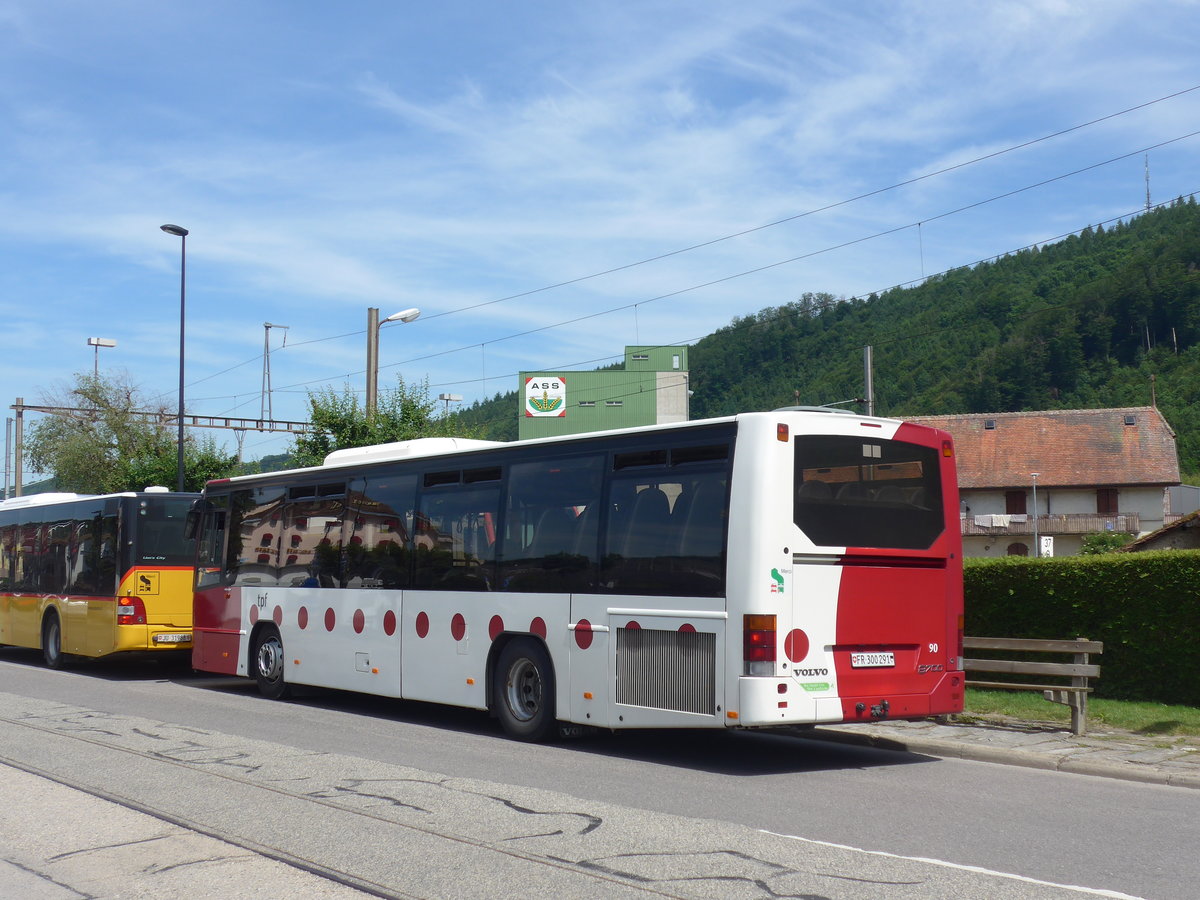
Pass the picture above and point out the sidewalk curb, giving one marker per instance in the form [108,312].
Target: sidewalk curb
[1012,757]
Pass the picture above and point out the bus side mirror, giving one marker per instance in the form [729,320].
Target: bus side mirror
[195,515]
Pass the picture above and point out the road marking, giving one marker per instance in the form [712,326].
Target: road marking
[1095,892]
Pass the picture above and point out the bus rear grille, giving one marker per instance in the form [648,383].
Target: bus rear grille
[667,669]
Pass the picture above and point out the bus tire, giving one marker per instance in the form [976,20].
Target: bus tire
[268,663]
[523,690]
[52,651]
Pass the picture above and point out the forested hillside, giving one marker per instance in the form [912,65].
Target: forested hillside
[1096,320]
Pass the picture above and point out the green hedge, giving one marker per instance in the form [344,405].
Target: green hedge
[1145,607]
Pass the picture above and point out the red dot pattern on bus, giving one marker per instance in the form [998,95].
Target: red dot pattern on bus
[795,645]
[583,634]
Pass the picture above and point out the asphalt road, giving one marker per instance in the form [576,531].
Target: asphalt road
[404,799]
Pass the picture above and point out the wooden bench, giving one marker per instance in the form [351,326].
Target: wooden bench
[1079,670]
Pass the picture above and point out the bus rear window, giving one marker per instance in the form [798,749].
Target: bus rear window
[159,537]
[859,492]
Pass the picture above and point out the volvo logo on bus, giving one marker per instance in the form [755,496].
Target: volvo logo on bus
[811,673]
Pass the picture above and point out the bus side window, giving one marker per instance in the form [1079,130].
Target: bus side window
[30,562]
[377,534]
[551,525]
[310,553]
[456,545]
[252,548]
[702,513]
[8,556]
[211,544]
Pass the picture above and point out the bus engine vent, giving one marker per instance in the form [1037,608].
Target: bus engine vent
[667,669]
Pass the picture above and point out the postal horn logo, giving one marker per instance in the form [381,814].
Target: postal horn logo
[545,396]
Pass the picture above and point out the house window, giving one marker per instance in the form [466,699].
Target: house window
[1014,503]
[1106,501]
[1017,550]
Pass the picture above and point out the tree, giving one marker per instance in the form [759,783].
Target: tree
[1104,542]
[403,413]
[104,447]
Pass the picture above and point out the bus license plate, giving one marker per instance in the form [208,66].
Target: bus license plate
[172,638]
[878,660]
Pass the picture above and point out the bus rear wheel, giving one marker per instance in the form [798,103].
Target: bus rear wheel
[52,651]
[268,662]
[523,691]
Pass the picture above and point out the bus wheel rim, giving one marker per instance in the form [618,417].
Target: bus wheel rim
[523,693]
[270,659]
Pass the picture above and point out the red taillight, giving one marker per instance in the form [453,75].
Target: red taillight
[781,432]
[130,611]
[758,644]
[947,449]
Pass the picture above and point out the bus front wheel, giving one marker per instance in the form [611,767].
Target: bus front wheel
[523,691]
[268,662]
[52,651]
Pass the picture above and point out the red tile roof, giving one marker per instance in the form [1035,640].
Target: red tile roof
[1067,448]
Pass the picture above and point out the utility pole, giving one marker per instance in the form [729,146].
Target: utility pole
[265,411]
[869,380]
[8,422]
[17,460]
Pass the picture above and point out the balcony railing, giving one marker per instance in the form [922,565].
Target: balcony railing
[1070,523]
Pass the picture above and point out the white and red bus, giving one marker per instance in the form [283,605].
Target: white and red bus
[87,576]
[769,569]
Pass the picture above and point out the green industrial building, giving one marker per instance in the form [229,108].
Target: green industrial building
[650,389]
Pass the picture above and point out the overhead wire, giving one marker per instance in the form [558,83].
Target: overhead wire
[750,323]
[713,241]
[773,265]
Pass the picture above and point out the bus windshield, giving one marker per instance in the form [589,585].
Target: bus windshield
[158,538]
[856,492]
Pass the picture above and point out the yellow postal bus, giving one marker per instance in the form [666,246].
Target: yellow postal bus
[93,575]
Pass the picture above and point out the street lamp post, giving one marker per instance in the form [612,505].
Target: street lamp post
[1037,546]
[99,342]
[182,234]
[373,326]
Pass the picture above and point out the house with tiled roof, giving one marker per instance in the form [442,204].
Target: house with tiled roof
[1059,474]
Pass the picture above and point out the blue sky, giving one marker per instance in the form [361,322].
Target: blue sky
[328,158]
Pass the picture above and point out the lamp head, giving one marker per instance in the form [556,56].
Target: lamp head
[405,315]
[177,230]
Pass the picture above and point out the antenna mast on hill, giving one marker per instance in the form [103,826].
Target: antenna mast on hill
[1147,182]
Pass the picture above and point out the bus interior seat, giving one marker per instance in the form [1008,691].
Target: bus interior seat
[555,533]
[649,522]
[889,493]
[815,490]
[703,530]
[854,490]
